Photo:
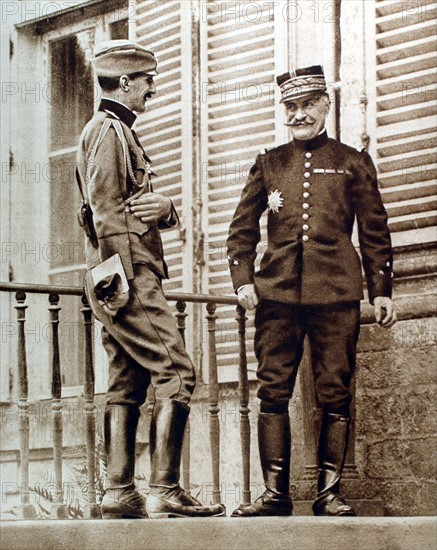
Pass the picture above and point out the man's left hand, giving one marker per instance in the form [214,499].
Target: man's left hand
[151,207]
[385,313]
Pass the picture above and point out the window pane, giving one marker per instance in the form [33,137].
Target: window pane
[119,29]
[72,90]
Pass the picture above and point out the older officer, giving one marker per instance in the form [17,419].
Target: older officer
[123,216]
[309,283]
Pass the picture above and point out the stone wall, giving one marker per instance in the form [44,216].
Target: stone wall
[396,421]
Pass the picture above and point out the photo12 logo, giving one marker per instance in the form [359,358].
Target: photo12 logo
[320,11]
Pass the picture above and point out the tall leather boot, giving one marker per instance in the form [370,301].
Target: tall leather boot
[121,499]
[274,441]
[166,498]
[333,442]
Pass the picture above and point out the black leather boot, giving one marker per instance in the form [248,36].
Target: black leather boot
[121,499]
[334,436]
[274,441]
[166,498]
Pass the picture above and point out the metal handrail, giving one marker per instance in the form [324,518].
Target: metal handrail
[78,291]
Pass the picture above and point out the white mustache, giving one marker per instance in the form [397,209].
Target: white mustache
[294,124]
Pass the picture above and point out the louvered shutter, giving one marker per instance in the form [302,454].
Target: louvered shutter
[406,82]
[240,122]
[158,27]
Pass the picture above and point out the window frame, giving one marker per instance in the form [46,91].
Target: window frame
[99,21]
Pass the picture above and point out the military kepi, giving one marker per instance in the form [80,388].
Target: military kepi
[301,82]
[114,58]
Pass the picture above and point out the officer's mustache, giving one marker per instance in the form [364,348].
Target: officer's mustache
[297,123]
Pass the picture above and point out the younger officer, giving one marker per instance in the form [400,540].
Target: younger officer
[123,216]
[309,283]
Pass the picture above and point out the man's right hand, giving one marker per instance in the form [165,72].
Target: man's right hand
[247,297]
[151,207]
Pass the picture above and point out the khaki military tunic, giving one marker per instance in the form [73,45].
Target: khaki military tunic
[142,341]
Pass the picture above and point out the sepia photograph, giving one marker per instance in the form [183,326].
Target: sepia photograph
[218,275]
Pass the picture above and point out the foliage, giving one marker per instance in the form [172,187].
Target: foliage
[75,460]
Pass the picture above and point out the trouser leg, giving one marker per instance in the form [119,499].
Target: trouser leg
[279,335]
[128,381]
[333,333]
[280,330]
[146,331]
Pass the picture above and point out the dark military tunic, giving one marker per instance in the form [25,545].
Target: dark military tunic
[142,341]
[309,281]
[310,259]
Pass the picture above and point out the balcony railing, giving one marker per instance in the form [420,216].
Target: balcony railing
[54,293]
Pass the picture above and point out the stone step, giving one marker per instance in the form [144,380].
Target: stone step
[294,533]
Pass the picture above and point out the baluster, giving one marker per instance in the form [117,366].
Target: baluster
[181,316]
[26,510]
[214,425]
[59,510]
[350,470]
[149,406]
[312,417]
[243,385]
[91,510]
[186,457]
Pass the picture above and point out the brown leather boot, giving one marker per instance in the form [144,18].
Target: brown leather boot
[274,441]
[121,499]
[166,498]
[334,436]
